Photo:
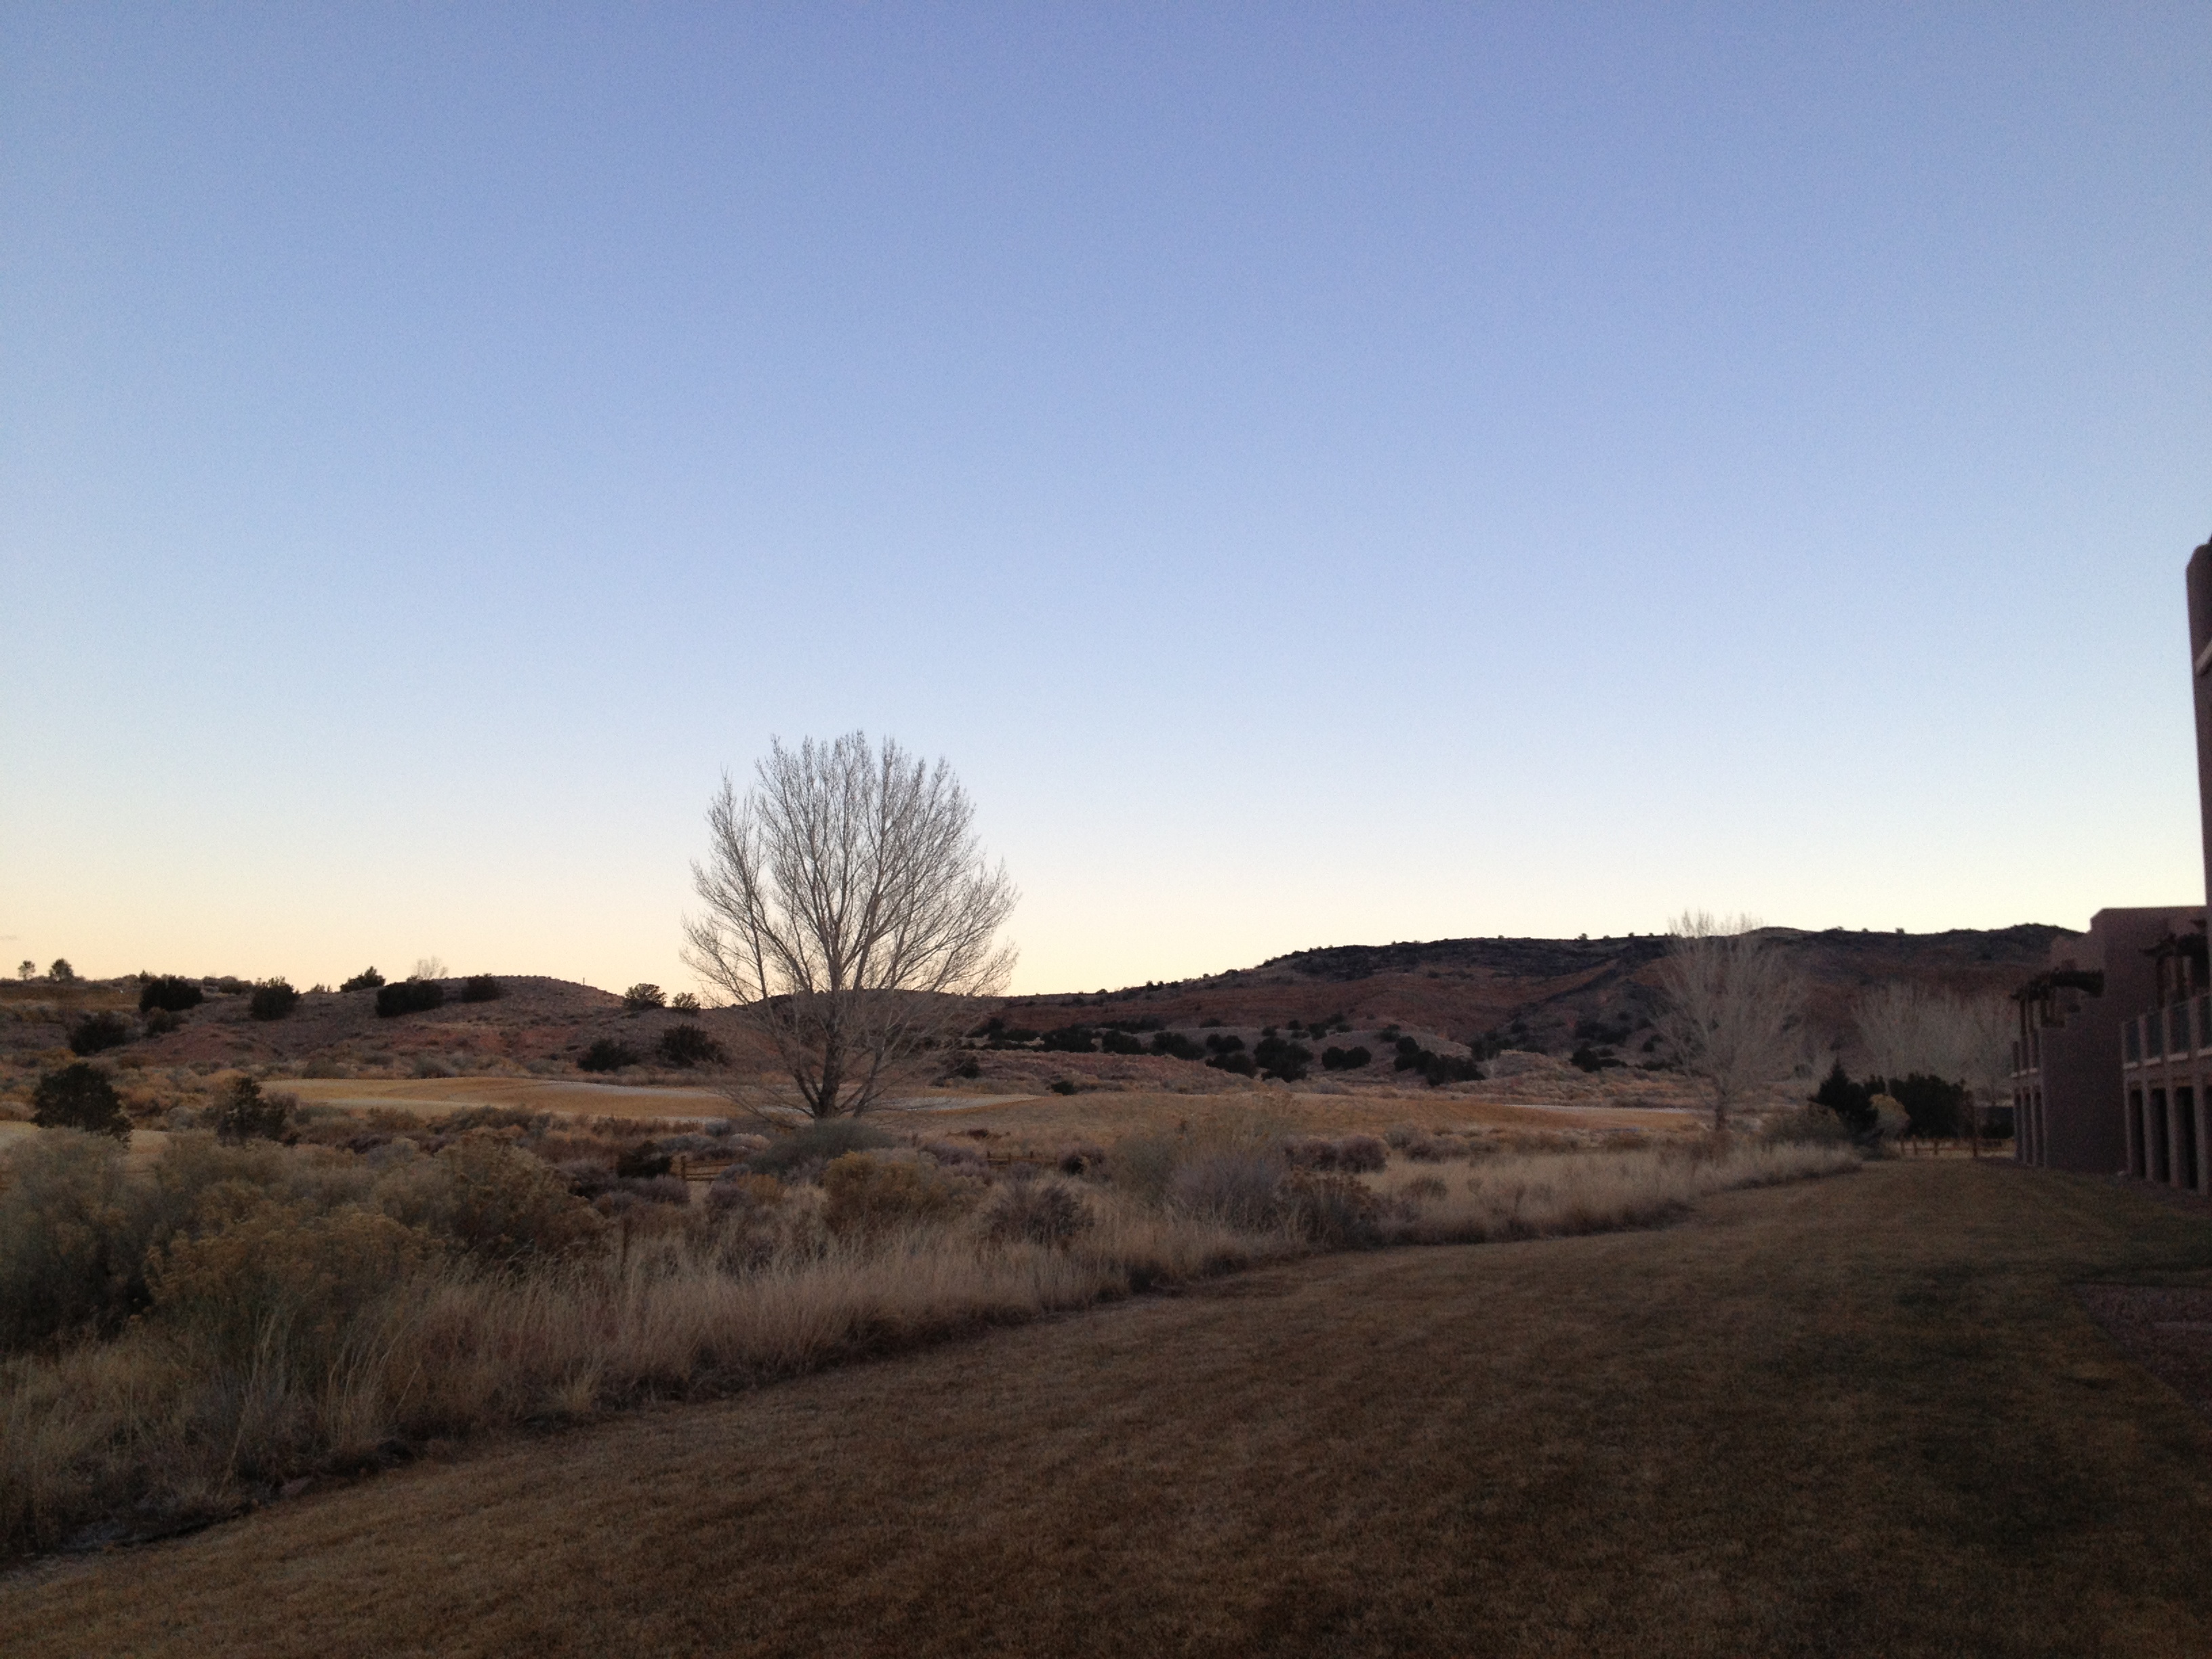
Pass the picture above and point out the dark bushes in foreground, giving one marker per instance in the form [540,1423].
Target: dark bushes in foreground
[272,999]
[247,1113]
[410,996]
[252,1231]
[97,1033]
[1280,1057]
[482,988]
[805,1149]
[1435,1068]
[608,1054]
[79,1096]
[687,1045]
[170,992]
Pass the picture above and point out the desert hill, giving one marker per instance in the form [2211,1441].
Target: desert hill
[1553,996]
[1547,994]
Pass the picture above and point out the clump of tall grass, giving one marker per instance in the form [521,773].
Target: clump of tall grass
[1548,1196]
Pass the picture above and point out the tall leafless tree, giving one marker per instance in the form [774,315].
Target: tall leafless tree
[1962,1039]
[849,915]
[1732,1010]
[1901,1030]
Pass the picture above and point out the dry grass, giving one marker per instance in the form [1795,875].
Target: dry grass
[1856,1417]
[1548,1196]
[162,1419]
[1041,1117]
[191,1414]
[1052,1119]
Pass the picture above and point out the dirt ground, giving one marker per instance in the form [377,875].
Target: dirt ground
[1865,1416]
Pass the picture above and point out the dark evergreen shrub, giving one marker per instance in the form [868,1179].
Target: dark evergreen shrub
[1065,1086]
[967,1068]
[686,1001]
[1437,1069]
[808,1148]
[1346,1059]
[97,1033]
[1221,1044]
[482,988]
[160,1023]
[79,1096]
[642,996]
[1587,1059]
[1240,1064]
[1279,1057]
[607,1054]
[245,1114]
[642,1162]
[410,996]
[1121,1043]
[273,999]
[1070,1040]
[1176,1046]
[367,980]
[1936,1108]
[171,993]
[687,1045]
[1852,1102]
[1082,1160]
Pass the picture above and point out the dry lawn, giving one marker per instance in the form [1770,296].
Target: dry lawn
[1048,1120]
[1042,1119]
[277,1362]
[1864,1416]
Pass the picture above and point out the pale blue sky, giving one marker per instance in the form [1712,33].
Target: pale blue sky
[1321,474]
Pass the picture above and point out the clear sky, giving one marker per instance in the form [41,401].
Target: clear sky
[1321,474]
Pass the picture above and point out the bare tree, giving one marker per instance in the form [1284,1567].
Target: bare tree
[1732,1010]
[1902,1030]
[849,915]
[1966,1039]
[1983,1045]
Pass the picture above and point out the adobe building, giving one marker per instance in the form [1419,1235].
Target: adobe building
[2113,1058]
[2066,1057]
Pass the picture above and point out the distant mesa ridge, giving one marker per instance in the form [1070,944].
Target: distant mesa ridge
[2028,942]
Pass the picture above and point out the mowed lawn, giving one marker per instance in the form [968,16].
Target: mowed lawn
[1864,1416]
